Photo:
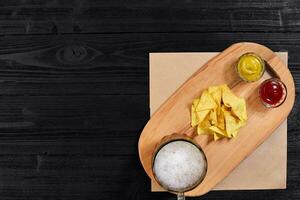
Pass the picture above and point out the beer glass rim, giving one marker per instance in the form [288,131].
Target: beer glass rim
[170,140]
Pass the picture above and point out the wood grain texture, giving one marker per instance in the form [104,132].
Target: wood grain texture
[173,116]
[121,72]
[77,16]
[60,116]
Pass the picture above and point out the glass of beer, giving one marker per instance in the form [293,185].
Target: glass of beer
[178,164]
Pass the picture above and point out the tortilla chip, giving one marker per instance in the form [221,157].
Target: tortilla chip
[201,115]
[196,102]
[218,112]
[234,134]
[213,117]
[194,118]
[232,124]
[221,120]
[203,127]
[239,109]
[228,97]
[202,130]
[216,93]
[217,136]
[217,130]
[206,102]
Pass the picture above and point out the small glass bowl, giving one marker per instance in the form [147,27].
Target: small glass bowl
[262,62]
[284,93]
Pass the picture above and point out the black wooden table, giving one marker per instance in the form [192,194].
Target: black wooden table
[75,93]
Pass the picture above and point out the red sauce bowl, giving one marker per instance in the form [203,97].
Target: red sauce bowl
[272,92]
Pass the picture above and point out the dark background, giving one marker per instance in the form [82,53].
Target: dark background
[74,91]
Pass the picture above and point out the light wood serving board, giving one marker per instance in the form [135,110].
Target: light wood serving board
[223,155]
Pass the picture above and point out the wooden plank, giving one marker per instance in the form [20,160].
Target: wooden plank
[40,17]
[71,113]
[114,63]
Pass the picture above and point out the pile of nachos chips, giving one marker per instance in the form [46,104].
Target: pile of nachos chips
[218,112]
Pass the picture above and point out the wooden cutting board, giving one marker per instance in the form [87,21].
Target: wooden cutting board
[224,155]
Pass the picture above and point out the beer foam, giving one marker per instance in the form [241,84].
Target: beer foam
[179,165]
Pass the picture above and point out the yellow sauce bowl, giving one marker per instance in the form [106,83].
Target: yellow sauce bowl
[250,67]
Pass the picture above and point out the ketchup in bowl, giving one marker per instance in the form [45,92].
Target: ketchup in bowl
[272,92]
